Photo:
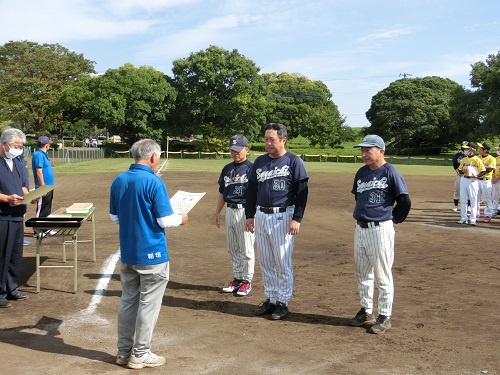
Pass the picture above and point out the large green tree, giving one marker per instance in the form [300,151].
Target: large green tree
[220,93]
[128,101]
[305,107]
[485,76]
[413,112]
[32,77]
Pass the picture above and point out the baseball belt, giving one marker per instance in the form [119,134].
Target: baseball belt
[235,205]
[369,224]
[272,210]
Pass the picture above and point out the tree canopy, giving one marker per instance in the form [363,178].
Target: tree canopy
[220,93]
[485,76]
[131,102]
[32,77]
[413,112]
[304,106]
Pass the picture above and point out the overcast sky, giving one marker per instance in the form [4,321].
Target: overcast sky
[356,47]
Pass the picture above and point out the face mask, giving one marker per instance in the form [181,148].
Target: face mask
[498,152]
[466,152]
[13,153]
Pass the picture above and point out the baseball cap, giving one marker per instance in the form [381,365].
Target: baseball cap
[470,145]
[238,142]
[484,145]
[372,140]
[43,140]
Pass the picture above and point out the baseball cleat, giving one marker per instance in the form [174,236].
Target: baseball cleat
[281,311]
[462,222]
[487,219]
[362,318]
[232,287]
[382,324]
[244,289]
[455,209]
[265,308]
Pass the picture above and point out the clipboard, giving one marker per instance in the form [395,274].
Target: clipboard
[37,193]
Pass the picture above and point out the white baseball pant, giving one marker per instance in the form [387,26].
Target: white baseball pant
[240,244]
[373,260]
[469,189]
[485,194]
[275,248]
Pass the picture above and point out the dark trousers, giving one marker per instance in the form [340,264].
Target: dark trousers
[11,256]
[44,205]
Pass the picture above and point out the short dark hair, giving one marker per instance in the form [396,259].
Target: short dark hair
[280,129]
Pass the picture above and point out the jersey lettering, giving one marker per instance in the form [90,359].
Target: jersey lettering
[276,172]
[373,184]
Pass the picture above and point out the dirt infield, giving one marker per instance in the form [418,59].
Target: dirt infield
[447,282]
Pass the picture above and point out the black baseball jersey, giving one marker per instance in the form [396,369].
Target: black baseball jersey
[233,182]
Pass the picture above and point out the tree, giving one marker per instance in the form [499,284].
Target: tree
[304,106]
[485,76]
[32,77]
[128,101]
[220,93]
[466,108]
[413,112]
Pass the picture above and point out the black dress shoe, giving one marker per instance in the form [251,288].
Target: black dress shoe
[4,303]
[17,297]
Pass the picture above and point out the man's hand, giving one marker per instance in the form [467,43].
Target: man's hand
[249,225]
[294,227]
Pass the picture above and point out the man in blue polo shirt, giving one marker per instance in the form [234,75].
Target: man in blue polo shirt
[140,204]
[43,175]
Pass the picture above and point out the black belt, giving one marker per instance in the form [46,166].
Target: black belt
[272,210]
[235,205]
[364,224]
[469,177]
[483,178]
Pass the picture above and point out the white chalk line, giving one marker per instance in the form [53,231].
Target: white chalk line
[88,315]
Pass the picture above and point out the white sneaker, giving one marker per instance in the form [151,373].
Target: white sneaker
[462,222]
[148,359]
[455,209]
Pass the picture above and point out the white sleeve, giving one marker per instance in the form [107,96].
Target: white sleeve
[170,221]
[114,218]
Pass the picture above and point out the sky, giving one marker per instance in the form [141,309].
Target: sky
[356,47]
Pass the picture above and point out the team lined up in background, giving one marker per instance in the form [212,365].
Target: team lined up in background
[477,181]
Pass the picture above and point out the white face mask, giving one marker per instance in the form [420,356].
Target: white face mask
[466,152]
[13,153]
[498,152]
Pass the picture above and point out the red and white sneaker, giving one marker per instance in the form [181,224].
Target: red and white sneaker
[487,219]
[244,289]
[232,287]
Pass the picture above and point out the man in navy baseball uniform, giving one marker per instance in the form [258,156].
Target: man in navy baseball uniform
[233,182]
[382,200]
[276,201]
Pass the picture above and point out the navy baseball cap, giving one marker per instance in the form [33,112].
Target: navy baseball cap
[238,142]
[372,140]
[43,140]
[484,145]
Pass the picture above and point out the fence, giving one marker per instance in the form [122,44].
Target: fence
[74,155]
[409,160]
[69,155]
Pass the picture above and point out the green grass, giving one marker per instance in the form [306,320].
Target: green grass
[118,165]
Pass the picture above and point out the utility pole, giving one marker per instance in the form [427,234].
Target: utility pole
[405,75]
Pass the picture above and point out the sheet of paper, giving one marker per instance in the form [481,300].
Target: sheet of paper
[37,193]
[182,202]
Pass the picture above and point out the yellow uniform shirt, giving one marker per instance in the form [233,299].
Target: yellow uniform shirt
[497,171]
[471,166]
[489,162]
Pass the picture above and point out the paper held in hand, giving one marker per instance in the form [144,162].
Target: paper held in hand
[37,193]
[182,202]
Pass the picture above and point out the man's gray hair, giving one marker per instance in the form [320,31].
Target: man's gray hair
[144,148]
[12,135]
